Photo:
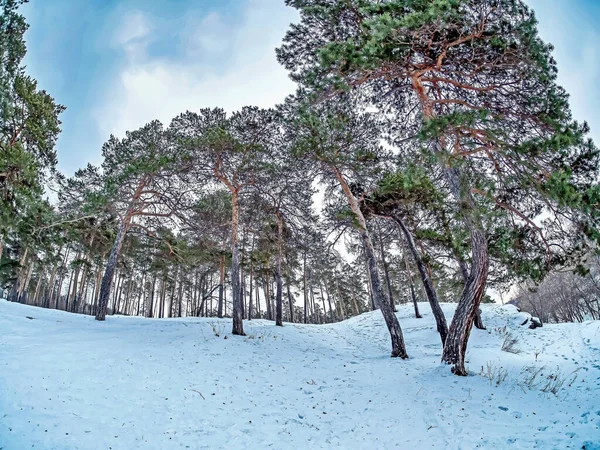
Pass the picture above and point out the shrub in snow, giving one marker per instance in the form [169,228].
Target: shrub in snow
[495,375]
[511,344]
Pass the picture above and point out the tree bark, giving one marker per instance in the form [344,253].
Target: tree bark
[397,339]
[180,299]
[222,286]
[266,286]
[412,290]
[250,299]
[109,272]
[258,313]
[455,347]
[278,278]
[436,309]
[238,322]
[386,271]
[290,298]
[341,302]
[374,304]
[305,293]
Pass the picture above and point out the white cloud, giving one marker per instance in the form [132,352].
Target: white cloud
[156,88]
[212,35]
[132,34]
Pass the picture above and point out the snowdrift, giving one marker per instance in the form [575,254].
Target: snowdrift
[69,382]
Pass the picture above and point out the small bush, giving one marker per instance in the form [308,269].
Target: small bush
[511,344]
[495,375]
[545,380]
[217,328]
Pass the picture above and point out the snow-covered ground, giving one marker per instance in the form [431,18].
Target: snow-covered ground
[69,382]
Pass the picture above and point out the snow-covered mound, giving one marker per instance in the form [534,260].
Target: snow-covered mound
[69,382]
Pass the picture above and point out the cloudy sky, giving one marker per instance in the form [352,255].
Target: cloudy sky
[117,64]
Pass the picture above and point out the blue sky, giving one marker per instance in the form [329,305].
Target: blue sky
[117,64]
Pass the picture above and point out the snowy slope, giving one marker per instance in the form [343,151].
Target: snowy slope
[68,382]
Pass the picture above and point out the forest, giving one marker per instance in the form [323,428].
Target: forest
[429,154]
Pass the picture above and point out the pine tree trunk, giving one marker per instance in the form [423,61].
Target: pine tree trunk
[109,273]
[23,297]
[163,294]
[243,290]
[397,339]
[279,300]
[386,271]
[266,285]
[316,318]
[290,299]
[118,295]
[455,346]
[341,302]
[258,298]
[436,309]
[412,289]
[324,307]
[170,311]
[37,288]
[250,299]
[374,304]
[73,295]
[97,287]
[329,301]
[60,283]
[278,278]
[464,271]
[180,299]
[478,320]
[238,322]
[354,303]
[458,335]
[222,283]
[15,294]
[50,288]
[305,293]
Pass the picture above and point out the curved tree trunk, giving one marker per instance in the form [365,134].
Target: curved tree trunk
[398,346]
[107,279]
[436,309]
[455,346]
[468,305]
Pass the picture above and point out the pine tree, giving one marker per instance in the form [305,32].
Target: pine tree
[29,126]
[345,147]
[491,113]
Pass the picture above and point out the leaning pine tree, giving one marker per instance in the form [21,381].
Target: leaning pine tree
[136,184]
[492,114]
[344,147]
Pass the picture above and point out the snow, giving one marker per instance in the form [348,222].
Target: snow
[69,382]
